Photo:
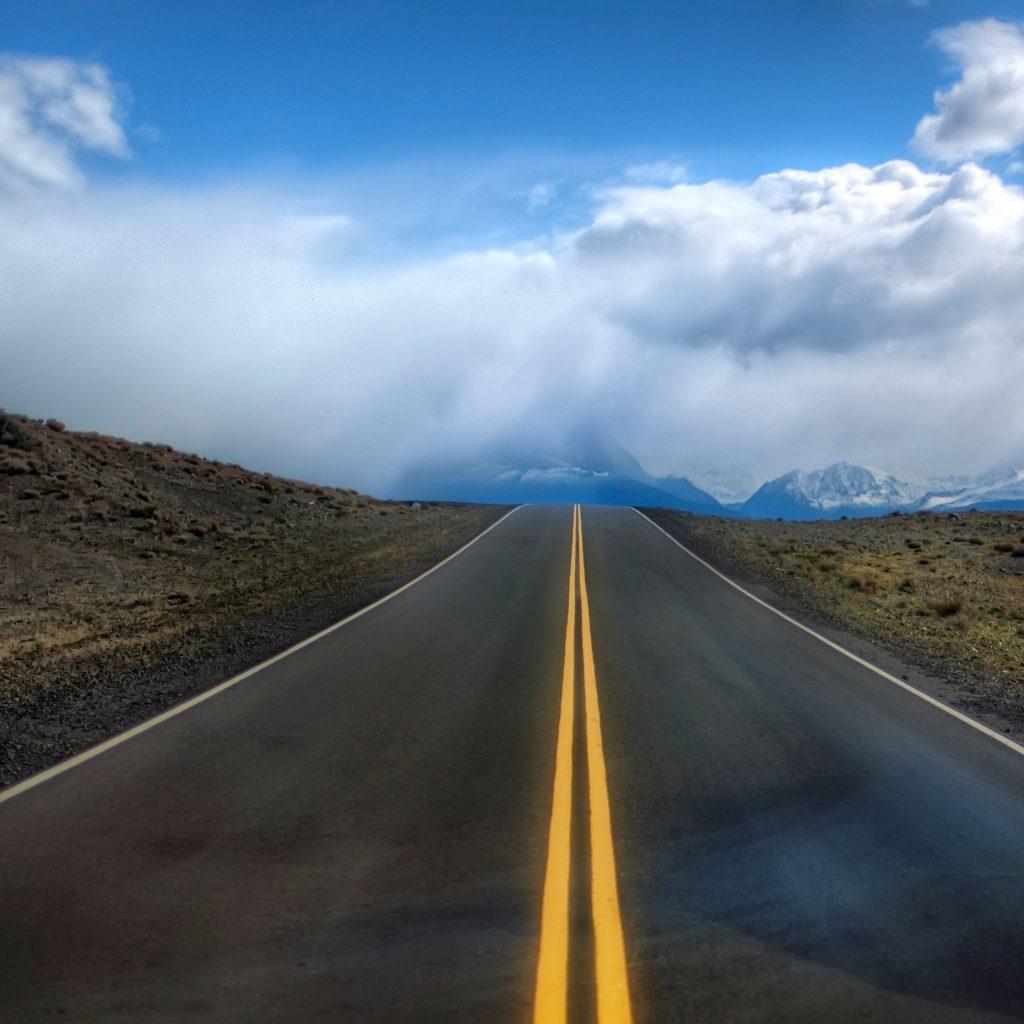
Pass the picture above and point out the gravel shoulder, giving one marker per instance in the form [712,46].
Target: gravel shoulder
[935,600]
[133,576]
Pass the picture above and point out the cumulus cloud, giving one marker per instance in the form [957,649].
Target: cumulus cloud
[867,313]
[49,108]
[982,114]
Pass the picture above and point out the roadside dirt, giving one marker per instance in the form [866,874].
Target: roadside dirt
[134,575]
[942,594]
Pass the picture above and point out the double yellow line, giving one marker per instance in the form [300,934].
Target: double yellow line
[612,983]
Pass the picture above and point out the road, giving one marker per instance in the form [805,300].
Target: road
[572,775]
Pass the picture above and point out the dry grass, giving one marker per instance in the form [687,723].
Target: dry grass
[117,558]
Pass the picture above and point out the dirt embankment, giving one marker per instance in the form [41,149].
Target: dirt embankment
[132,575]
[943,593]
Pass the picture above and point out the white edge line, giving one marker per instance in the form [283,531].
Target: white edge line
[966,719]
[136,730]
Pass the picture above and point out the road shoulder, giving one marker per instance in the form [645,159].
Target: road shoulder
[964,690]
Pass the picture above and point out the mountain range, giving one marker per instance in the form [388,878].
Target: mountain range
[843,489]
[596,473]
[588,473]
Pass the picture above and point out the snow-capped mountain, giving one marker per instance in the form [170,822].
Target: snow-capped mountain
[594,472]
[1000,488]
[731,485]
[843,489]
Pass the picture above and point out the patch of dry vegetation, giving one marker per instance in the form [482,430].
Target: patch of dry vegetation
[128,570]
[945,592]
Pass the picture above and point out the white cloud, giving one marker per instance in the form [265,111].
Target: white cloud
[852,312]
[983,113]
[541,196]
[867,313]
[49,107]
[659,172]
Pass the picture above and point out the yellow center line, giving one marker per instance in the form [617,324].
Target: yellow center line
[613,1004]
[551,997]
[612,982]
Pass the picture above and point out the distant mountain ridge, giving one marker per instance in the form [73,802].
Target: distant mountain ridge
[1001,488]
[596,474]
[844,489]
[837,490]
[603,474]
[730,485]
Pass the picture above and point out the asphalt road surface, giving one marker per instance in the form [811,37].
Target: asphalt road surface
[572,775]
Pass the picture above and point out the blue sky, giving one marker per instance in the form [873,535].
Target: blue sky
[343,242]
[733,87]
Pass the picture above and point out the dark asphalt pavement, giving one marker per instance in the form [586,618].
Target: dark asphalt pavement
[799,839]
[358,832]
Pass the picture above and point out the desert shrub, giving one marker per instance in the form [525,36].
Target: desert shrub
[1004,547]
[947,605]
[169,524]
[863,582]
[13,465]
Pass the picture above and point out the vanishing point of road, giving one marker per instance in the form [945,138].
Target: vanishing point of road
[571,775]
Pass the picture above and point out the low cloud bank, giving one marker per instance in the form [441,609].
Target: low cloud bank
[852,312]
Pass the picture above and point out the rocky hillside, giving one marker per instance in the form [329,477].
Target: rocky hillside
[133,574]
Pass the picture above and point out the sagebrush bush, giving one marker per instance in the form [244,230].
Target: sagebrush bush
[947,605]
[863,582]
